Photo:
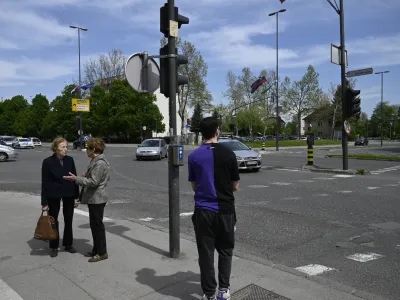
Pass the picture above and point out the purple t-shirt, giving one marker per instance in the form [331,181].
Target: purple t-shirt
[214,167]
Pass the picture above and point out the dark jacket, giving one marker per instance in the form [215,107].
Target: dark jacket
[95,182]
[53,184]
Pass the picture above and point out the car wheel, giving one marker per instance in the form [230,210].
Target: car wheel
[160,156]
[3,156]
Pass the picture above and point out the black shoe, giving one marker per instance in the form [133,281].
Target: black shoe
[53,252]
[90,254]
[70,249]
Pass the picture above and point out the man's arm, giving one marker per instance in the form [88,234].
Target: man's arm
[235,177]
[193,183]
[192,175]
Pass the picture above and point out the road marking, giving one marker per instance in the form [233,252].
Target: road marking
[314,270]
[7,182]
[290,170]
[392,184]
[324,178]
[321,195]
[364,257]
[255,186]
[384,170]
[345,192]
[343,176]
[186,214]
[7,293]
[292,198]
[372,187]
[281,183]
[306,181]
[146,219]
[86,214]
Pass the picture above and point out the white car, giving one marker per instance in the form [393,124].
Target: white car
[247,158]
[152,148]
[7,153]
[36,141]
[23,143]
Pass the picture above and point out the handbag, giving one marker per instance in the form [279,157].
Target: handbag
[46,228]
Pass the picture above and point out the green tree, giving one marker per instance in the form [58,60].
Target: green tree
[40,108]
[196,70]
[11,109]
[380,123]
[197,117]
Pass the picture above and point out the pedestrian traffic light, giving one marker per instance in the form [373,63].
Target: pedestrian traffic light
[353,103]
[181,79]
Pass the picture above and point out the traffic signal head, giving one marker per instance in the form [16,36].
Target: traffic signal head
[165,18]
[181,79]
[353,103]
[180,19]
[164,69]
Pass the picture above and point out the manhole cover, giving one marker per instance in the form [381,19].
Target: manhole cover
[254,292]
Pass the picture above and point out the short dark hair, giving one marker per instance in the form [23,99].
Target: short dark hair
[208,127]
[96,145]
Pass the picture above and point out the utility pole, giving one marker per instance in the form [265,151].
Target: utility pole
[381,73]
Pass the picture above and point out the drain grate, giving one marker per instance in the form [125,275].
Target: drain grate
[254,292]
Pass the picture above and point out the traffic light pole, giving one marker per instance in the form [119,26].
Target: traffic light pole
[173,171]
[345,149]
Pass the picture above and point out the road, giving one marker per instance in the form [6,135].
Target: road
[346,225]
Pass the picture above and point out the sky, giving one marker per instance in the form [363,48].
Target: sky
[39,52]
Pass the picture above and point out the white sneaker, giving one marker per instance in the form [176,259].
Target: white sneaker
[224,294]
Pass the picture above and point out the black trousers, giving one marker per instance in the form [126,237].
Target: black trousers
[54,205]
[96,214]
[214,231]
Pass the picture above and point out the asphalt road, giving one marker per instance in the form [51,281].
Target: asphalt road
[350,225]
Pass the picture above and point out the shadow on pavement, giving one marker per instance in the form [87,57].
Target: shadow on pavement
[41,248]
[181,285]
[120,230]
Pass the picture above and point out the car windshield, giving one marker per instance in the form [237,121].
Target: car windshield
[150,143]
[7,139]
[235,146]
[23,140]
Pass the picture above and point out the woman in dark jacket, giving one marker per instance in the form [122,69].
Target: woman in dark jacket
[55,189]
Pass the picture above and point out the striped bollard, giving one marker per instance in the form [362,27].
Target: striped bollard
[310,155]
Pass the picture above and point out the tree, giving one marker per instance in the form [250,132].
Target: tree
[197,117]
[382,125]
[301,97]
[195,92]
[40,108]
[11,109]
[106,68]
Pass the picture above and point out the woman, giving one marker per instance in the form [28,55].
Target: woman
[55,189]
[94,194]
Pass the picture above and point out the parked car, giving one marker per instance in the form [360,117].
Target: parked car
[362,141]
[152,148]
[7,153]
[7,139]
[22,143]
[247,158]
[36,141]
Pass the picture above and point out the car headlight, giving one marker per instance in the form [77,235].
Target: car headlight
[259,156]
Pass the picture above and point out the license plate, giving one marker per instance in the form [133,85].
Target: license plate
[251,163]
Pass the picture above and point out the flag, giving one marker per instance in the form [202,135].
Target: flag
[282,1]
[259,82]
[75,90]
[87,86]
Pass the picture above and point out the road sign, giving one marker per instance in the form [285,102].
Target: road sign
[187,126]
[86,138]
[142,73]
[360,72]
[173,28]
[80,105]
[347,127]
[144,127]
[336,54]
[263,138]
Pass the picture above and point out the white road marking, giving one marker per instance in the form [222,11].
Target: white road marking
[146,219]
[186,214]
[290,170]
[321,195]
[384,170]
[292,198]
[343,176]
[86,214]
[314,270]
[255,186]
[324,178]
[281,183]
[372,187]
[7,293]
[364,257]
[306,181]
[345,192]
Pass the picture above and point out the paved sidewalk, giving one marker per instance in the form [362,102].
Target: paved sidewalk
[138,266]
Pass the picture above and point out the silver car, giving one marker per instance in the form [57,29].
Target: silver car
[247,158]
[152,148]
[7,153]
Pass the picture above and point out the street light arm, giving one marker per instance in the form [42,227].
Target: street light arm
[334,7]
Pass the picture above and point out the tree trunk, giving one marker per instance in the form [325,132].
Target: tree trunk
[334,121]
[299,124]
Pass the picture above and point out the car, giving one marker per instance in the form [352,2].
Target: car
[8,139]
[152,148]
[362,141]
[7,153]
[22,143]
[247,158]
[35,141]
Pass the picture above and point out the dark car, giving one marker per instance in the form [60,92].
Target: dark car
[362,141]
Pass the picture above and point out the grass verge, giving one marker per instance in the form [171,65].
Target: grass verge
[292,143]
[368,156]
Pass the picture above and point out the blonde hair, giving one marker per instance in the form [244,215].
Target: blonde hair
[96,145]
[57,141]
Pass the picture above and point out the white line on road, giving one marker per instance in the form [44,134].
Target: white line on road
[372,187]
[345,192]
[290,170]
[314,270]
[364,257]
[256,186]
[321,195]
[7,293]
[324,178]
[186,214]
[147,219]
[306,181]
[343,176]
[281,183]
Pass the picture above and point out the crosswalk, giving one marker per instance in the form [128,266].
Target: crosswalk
[385,170]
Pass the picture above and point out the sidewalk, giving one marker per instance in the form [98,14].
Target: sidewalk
[138,266]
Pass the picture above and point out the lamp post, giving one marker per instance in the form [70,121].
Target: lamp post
[277,78]
[381,73]
[80,79]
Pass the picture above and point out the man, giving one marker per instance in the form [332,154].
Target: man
[214,175]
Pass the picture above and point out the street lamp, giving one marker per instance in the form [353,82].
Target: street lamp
[80,79]
[381,73]
[277,78]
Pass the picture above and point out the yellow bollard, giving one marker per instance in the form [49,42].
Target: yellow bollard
[310,156]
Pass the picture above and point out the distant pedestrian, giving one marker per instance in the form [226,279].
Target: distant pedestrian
[214,175]
[55,189]
[94,194]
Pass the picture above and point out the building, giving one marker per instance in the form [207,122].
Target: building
[319,122]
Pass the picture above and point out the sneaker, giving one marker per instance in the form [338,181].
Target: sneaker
[223,294]
[209,298]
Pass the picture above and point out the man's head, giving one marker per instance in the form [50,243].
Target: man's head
[209,128]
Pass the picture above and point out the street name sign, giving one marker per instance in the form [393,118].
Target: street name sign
[360,72]
[80,105]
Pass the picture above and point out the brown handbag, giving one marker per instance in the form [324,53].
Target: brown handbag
[46,228]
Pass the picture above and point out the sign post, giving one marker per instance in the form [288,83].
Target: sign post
[80,105]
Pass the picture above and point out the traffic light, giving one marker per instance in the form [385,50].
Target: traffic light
[78,122]
[165,18]
[353,103]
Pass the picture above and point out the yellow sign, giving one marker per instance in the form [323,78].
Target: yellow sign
[80,105]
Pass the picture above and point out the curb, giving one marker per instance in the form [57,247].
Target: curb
[358,158]
[317,169]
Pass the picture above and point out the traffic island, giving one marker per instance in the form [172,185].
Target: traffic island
[367,156]
[314,168]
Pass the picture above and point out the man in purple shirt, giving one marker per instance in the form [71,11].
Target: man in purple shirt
[214,175]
